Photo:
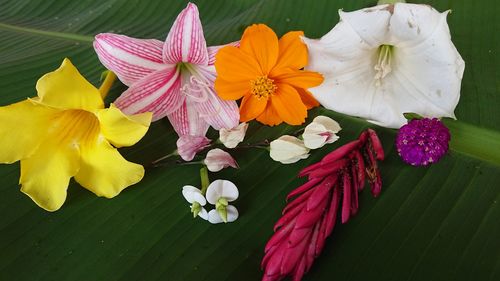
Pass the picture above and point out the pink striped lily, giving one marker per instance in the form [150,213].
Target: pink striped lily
[174,78]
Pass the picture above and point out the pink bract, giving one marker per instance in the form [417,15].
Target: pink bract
[330,192]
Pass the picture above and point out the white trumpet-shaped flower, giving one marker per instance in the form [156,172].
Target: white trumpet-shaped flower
[220,193]
[195,197]
[383,61]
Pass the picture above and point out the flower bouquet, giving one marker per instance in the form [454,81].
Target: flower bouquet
[233,141]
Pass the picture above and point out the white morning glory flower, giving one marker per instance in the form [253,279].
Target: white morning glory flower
[320,131]
[383,61]
[220,193]
[194,196]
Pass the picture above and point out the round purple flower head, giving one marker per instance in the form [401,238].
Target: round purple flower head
[422,141]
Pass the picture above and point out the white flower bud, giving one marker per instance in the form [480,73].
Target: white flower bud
[232,137]
[288,149]
[321,131]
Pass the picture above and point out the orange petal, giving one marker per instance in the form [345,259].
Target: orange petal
[292,51]
[232,64]
[261,42]
[270,117]
[231,90]
[251,107]
[307,98]
[297,78]
[288,104]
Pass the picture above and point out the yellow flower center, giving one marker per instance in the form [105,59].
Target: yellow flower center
[76,127]
[262,87]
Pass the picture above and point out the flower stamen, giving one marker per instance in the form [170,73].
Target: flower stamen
[262,87]
[383,66]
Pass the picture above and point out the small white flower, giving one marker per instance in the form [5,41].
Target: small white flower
[220,193]
[383,61]
[217,159]
[232,137]
[288,149]
[321,131]
[194,196]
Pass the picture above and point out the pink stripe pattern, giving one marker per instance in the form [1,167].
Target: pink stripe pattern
[185,41]
[158,92]
[131,59]
[185,95]
[187,121]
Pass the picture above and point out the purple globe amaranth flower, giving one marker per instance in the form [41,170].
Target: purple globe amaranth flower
[422,141]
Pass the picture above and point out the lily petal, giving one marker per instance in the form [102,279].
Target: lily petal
[120,129]
[216,112]
[45,175]
[33,118]
[104,171]
[159,93]
[129,58]
[185,41]
[66,88]
[187,121]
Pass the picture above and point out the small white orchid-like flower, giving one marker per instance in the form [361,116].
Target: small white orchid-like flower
[217,159]
[320,131]
[195,197]
[232,137]
[383,61]
[288,149]
[220,193]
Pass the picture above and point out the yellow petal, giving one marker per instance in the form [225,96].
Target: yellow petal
[45,175]
[66,88]
[24,126]
[105,172]
[120,129]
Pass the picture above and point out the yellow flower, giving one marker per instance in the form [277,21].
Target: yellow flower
[66,132]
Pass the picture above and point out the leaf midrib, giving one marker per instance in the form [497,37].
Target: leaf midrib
[52,34]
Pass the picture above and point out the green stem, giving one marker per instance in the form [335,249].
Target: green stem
[173,153]
[205,181]
[55,34]
[107,83]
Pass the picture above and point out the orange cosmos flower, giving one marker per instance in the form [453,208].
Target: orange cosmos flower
[266,73]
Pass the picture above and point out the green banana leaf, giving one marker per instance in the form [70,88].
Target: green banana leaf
[435,223]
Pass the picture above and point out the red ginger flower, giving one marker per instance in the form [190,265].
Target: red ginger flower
[332,187]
